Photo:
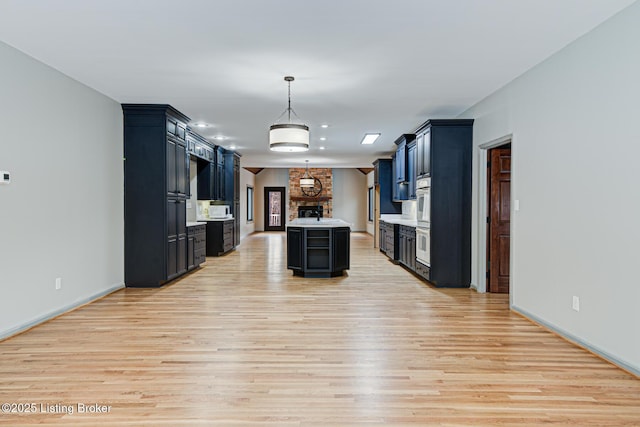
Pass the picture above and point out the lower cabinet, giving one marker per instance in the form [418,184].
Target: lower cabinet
[398,242]
[220,237]
[423,271]
[196,245]
[407,246]
[389,239]
[318,252]
[176,238]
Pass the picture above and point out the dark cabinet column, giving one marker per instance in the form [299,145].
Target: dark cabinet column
[155,176]
[445,154]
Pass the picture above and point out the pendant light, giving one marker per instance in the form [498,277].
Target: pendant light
[289,137]
[307,180]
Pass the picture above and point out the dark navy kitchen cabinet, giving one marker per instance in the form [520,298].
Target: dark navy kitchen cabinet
[318,251]
[211,175]
[401,168]
[411,169]
[232,188]
[383,177]
[220,237]
[444,153]
[156,187]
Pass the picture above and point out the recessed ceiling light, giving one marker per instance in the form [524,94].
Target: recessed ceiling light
[324,126]
[218,137]
[321,148]
[202,125]
[369,138]
[322,138]
[232,147]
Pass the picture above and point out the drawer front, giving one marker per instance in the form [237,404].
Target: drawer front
[199,256]
[423,270]
[195,230]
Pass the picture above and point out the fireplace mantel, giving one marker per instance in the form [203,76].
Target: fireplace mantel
[309,199]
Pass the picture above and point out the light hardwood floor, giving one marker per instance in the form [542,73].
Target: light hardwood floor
[241,342]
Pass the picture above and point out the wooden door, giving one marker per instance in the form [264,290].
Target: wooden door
[499,238]
[274,208]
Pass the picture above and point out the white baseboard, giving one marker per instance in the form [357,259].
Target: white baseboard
[48,316]
[580,342]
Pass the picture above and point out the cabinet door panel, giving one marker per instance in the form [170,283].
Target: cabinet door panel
[181,255]
[172,253]
[172,219]
[171,167]
[181,217]
[182,165]
[191,247]
[294,248]
[419,155]
[426,160]
[340,248]
[411,171]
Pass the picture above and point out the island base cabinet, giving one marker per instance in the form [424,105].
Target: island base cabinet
[295,248]
[318,252]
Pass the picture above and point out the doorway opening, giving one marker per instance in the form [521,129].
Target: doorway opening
[274,208]
[498,219]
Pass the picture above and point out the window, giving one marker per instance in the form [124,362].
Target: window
[249,204]
[370,204]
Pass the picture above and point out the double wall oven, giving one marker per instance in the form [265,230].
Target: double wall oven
[423,230]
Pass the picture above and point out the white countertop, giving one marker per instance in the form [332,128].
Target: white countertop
[204,220]
[193,224]
[397,219]
[323,223]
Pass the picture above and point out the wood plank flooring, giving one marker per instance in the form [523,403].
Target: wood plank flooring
[241,342]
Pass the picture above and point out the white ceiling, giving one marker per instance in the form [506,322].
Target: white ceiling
[360,65]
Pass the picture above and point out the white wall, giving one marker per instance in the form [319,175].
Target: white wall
[247,179]
[274,177]
[576,145]
[350,197]
[62,214]
[370,224]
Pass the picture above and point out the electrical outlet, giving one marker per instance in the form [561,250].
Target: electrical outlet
[59,283]
[576,303]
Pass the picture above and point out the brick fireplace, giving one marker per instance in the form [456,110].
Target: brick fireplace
[297,198]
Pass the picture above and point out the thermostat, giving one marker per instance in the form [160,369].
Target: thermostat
[5,178]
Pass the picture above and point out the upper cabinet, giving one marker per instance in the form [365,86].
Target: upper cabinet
[403,171]
[383,178]
[210,161]
[411,169]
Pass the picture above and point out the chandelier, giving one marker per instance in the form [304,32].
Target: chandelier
[289,137]
[307,180]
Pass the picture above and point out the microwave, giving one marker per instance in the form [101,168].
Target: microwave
[219,211]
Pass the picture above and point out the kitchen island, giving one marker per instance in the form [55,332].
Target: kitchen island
[318,247]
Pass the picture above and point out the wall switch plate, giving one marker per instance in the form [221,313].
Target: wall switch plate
[516,205]
[59,283]
[5,177]
[576,303]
